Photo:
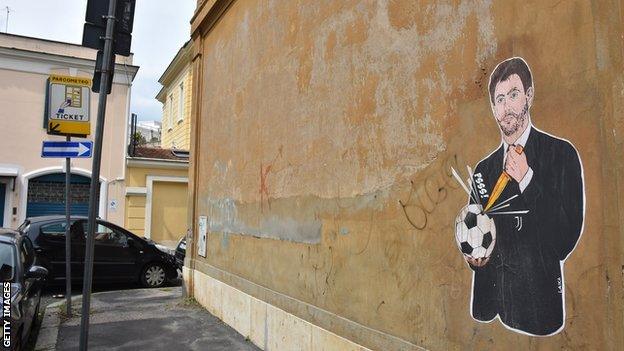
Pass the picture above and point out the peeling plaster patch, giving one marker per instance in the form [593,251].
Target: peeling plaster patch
[224,179]
[221,168]
[223,217]
[486,40]
[602,49]
[373,106]
[293,219]
[408,47]
[290,229]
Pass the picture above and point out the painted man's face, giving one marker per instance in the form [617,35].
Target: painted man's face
[511,104]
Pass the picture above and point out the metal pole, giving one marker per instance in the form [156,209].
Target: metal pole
[67,233]
[95,176]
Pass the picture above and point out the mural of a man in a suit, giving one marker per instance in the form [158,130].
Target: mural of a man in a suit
[522,281]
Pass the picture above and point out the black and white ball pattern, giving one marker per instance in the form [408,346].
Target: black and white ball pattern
[475,232]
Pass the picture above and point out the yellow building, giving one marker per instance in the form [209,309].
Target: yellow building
[156,194]
[157,191]
[175,96]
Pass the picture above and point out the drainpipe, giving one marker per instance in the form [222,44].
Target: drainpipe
[133,141]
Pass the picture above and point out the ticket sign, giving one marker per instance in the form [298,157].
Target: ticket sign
[68,105]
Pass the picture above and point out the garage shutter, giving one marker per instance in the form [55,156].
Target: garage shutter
[46,195]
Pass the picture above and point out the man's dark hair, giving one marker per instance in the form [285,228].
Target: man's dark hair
[507,68]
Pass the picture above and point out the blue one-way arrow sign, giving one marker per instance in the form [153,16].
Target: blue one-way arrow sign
[72,149]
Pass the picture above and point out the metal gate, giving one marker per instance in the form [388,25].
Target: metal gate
[46,195]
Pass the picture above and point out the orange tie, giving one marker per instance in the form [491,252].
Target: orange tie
[501,183]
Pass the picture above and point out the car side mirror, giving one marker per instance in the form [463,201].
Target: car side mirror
[36,272]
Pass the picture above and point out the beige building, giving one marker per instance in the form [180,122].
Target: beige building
[175,96]
[323,134]
[32,185]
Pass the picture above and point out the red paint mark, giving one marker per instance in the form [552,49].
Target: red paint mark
[264,189]
[264,172]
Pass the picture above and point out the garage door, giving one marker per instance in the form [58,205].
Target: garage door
[46,195]
[169,200]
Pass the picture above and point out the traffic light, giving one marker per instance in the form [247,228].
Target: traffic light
[95,31]
[92,35]
[97,75]
[97,9]
[95,26]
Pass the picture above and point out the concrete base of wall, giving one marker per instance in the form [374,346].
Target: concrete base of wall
[267,326]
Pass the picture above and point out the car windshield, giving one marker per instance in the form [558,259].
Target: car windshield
[7,262]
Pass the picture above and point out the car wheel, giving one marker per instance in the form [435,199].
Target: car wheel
[153,275]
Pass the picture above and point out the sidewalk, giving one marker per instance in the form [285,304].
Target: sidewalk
[140,319]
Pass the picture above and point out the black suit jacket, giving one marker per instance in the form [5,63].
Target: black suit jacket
[523,281]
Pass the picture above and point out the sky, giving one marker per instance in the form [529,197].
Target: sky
[161,27]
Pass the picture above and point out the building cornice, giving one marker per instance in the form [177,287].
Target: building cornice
[136,191]
[39,62]
[25,38]
[207,15]
[179,62]
[161,95]
[143,162]
[166,88]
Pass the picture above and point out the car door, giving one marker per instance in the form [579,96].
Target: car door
[77,235]
[114,258]
[52,242]
[31,285]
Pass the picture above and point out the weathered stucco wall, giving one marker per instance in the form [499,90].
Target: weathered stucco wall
[324,136]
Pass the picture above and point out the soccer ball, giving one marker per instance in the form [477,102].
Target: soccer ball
[475,232]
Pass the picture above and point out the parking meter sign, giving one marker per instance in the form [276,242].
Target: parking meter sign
[68,106]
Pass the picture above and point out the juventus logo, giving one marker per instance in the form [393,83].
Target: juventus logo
[518,223]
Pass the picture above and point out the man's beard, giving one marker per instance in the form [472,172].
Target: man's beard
[518,121]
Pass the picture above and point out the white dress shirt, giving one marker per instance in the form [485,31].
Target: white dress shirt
[522,142]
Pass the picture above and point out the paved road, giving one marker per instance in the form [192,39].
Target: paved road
[150,319]
[51,294]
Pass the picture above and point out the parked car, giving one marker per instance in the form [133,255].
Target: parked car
[180,252]
[119,256]
[22,279]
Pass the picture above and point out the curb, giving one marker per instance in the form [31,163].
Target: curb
[48,332]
